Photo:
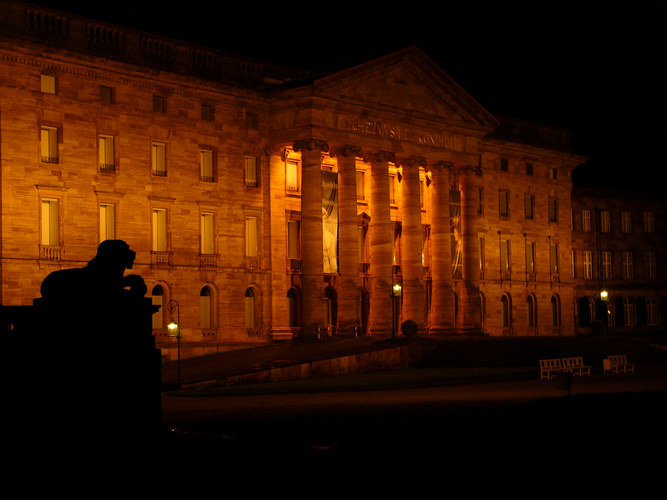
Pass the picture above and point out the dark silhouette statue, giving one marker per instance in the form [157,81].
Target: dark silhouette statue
[85,373]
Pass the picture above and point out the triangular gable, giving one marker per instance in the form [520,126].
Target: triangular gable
[408,83]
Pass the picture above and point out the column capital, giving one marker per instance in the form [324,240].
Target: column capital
[281,151]
[470,169]
[413,161]
[311,145]
[441,166]
[381,157]
[347,151]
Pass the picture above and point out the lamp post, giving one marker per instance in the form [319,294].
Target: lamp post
[395,293]
[174,328]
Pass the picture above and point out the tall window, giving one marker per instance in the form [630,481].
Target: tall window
[157,298]
[605,221]
[251,237]
[159,104]
[393,189]
[605,255]
[553,210]
[205,308]
[530,258]
[107,221]
[506,310]
[505,264]
[649,222]
[626,222]
[628,267]
[529,206]
[159,230]
[206,171]
[293,239]
[207,232]
[588,264]
[159,159]
[531,307]
[249,306]
[292,176]
[586,220]
[107,157]
[361,185]
[251,177]
[49,145]
[504,203]
[555,311]
[50,231]
[554,258]
[650,265]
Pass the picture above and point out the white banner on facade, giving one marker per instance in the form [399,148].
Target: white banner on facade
[330,221]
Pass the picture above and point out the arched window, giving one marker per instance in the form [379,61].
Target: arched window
[506,308]
[206,308]
[157,297]
[250,308]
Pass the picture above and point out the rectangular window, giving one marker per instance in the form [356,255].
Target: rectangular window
[504,164]
[480,201]
[48,84]
[650,265]
[207,113]
[504,203]
[206,172]
[159,104]
[553,259]
[586,221]
[628,268]
[605,222]
[392,189]
[530,258]
[607,269]
[361,185]
[588,264]
[573,263]
[159,159]
[251,237]
[49,144]
[649,222]
[505,264]
[251,177]
[480,242]
[553,210]
[553,174]
[292,176]
[106,94]
[159,230]
[50,232]
[626,222]
[529,169]
[292,239]
[529,205]
[107,221]
[107,157]
[207,231]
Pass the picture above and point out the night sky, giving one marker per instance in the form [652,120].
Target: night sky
[595,69]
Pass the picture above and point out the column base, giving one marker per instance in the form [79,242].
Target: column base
[281,334]
[471,331]
[442,330]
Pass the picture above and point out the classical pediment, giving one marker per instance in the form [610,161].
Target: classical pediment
[407,83]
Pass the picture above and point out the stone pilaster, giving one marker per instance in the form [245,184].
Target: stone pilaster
[381,235]
[348,254]
[312,266]
[442,306]
[278,251]
[413,307]
[470,304]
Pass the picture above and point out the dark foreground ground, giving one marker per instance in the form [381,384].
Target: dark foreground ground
[470,420]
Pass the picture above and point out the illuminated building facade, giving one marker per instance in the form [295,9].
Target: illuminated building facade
[271,205]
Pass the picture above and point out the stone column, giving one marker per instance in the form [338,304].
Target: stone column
[348,242]
[312,264]
[279,316]
[412,244]
[381,236]
[470,304]
[442,305]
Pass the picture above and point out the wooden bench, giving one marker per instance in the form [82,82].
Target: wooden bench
[617,363]
[550,367]
[576,366]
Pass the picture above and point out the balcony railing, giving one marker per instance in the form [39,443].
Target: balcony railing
[50,252]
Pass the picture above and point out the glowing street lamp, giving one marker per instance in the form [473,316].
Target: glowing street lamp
[174,328]
[395,293]
[604,295]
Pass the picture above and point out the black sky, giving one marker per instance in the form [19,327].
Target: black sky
[597,70]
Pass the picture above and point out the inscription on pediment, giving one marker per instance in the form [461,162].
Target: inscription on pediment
[395,132]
